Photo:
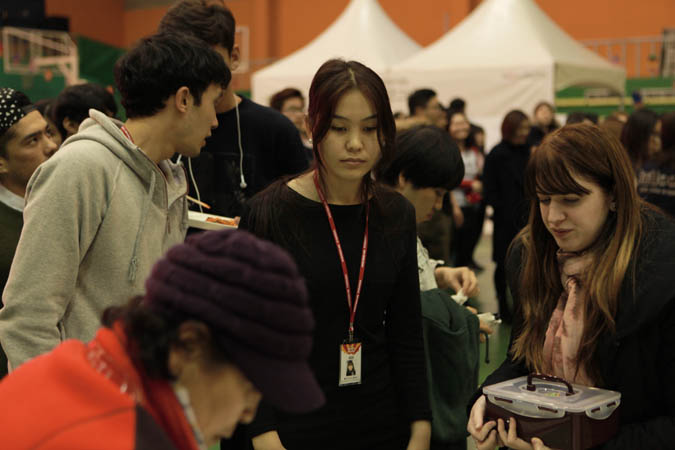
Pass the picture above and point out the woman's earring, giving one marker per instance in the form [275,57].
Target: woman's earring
[310,140]
[612,206]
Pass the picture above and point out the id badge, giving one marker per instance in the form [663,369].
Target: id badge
[350,363]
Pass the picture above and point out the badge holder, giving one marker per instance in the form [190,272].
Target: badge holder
[350,362]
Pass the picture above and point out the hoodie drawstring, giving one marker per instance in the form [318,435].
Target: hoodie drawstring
[133,265]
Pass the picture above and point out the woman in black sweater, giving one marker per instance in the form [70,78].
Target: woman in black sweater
[337,209]
[503,190]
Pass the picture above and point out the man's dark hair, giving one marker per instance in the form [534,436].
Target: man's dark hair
[457,104]
[576,117]
[278,99]
[74,103]
[159,65]
[207,20]
[427,157]
[593,117]
[419,99]
[46,107]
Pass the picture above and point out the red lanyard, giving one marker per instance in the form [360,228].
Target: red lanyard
[364,252]
[127,134]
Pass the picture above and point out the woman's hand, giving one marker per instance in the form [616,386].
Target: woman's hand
[268,441]
[511,439]
[420,435]
[484,434]
[457,278]
[485,328]
[477,186]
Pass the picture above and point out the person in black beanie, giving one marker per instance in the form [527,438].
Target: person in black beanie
[225,321]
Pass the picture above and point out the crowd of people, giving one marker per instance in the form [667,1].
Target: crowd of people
[340,313]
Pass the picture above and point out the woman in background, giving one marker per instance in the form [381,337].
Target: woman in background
[469,195]
[641,136]
[544,123]
[656,178]
[503,180]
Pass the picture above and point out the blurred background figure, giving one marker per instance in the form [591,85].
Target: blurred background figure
[425,107]
[476,133]
[614,123]
[72,106]
[476,138]
[468,196]
[504,190]
[581,117]
[543,123]
[641,136]
[656,177]
[291,103]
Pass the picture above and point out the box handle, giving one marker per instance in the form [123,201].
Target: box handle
[541,376]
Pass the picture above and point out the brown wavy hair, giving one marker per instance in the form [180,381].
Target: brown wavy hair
[588,152]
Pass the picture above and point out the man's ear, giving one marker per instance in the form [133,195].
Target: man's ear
[4,166]
[402,181]
[70,126]
[235,58]
[183,99]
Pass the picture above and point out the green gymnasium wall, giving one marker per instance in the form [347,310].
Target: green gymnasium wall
[573,99]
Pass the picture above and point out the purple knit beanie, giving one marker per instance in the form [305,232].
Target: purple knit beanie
[250,293]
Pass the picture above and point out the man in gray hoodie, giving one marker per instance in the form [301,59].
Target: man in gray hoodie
[110,203]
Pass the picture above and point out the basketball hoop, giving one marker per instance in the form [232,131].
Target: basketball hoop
[28,52]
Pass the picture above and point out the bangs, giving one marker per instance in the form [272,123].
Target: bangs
[548,173]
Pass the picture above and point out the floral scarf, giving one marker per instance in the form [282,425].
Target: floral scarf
[566,325]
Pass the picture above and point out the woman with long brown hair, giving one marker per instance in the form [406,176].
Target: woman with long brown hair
[591,275]
[355,244]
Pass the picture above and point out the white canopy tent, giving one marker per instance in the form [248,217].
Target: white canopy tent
[506,54]
[363,32]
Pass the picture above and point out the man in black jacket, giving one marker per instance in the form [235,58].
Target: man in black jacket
[253,145]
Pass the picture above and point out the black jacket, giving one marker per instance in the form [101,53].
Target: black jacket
[639,360]
[503,188]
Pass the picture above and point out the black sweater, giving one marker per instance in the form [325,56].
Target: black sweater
[638,360]
[394,391]
[503,189]
[272,148]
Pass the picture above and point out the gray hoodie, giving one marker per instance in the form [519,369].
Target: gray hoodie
[98,214]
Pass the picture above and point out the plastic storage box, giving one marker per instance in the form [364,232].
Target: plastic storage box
[563,415]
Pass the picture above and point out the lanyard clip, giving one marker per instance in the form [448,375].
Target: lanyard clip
[351,333]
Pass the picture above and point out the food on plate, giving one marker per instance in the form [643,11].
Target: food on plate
[222,220]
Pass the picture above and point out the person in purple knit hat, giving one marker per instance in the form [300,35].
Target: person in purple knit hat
[224,322]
